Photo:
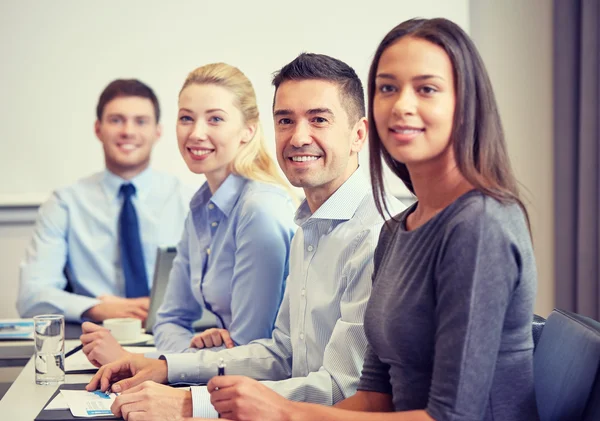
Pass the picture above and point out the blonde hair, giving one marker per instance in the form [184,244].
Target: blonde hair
[252,161]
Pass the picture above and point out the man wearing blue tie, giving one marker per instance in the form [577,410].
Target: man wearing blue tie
[102,232]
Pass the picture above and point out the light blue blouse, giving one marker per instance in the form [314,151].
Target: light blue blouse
[232,259]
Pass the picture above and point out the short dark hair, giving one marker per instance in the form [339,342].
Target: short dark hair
[126,87]
[319,66]
[477,136]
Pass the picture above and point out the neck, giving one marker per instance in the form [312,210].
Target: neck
[316,196]
[437,184]
[216,179]
[126,173]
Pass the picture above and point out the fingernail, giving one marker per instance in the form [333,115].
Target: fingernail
[116,388]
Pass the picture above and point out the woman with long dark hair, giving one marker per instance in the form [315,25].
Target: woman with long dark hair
[449,319]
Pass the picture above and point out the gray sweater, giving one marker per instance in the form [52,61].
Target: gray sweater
[449,319]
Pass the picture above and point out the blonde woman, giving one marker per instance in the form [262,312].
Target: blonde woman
[233,257]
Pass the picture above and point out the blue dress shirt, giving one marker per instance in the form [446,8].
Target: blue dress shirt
[233,259]
[315,353]
[78,228]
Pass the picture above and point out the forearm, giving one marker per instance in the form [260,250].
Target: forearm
[52,300]
[367,402]
[311,412]
[172,337]
[261,360]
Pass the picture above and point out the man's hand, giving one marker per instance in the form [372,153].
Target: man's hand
[111,307]
[152,401]
[212,337]
[241,398]
[128,372]
[99,346]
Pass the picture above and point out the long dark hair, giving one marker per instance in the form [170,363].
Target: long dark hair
[477,136]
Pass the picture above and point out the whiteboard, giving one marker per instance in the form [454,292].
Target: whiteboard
[58,56]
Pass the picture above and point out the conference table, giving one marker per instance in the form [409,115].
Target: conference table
[25,399]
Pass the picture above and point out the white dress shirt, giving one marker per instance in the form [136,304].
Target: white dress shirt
[78,228]
[318,344]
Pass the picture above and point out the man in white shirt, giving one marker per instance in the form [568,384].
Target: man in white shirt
[316,350]
[104,229]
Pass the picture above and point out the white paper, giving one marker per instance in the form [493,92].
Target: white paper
[88,404]
[16,328]
[58,402]
[79,362]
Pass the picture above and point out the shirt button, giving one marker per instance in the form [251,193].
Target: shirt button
[208,251]
[303,292]
[310,248]
[214,224]
[302,336]
[211,206]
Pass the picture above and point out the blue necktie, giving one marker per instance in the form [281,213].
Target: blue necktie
[132,255]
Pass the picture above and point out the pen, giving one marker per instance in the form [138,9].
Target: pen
[221,370]
[221,367]
[74,350]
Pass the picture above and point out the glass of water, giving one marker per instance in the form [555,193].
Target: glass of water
[49,349]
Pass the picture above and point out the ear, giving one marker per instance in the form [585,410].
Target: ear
[158,132]
[360,131]
[97,130]
[249,133]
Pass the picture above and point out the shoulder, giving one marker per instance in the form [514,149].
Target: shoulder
[478,218]
[78,189]
[263,198]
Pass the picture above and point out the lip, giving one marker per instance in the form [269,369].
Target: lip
[403,133]
[198,157]
[127,147]
[302,163]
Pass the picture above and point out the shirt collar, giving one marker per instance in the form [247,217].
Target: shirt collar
[224,198]
[342,204]
[142,182]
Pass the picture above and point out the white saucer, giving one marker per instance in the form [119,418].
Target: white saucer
[142,339]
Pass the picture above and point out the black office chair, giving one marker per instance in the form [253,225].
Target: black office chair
[566,362]
[537,327]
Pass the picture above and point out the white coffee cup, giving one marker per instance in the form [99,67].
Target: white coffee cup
[124,329]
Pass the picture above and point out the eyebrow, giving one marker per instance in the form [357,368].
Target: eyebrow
[419,77]
[125,116]
[312,111]
[320,111]
[212,110]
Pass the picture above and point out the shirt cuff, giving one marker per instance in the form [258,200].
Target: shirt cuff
[201,406]
[79,304]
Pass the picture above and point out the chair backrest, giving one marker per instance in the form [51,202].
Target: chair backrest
[565,365]
[537,327]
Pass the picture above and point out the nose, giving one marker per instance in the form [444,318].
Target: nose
[199,131]
[406,103]
[127,129]
[301,135]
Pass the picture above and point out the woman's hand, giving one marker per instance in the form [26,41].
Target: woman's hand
[212,337]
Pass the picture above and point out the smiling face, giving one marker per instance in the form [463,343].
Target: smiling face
[414,101]
[317,147]
[210,131]
[128,131]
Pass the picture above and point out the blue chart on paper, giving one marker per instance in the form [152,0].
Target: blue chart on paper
[16,329]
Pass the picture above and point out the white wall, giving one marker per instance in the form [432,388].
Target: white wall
[58,56]
[515,39]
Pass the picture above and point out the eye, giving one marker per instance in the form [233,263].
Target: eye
[185,119]
[115,119]
[215,119]
[141,121]
[386,89]
[284,121]
[320,120]
[427,90]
